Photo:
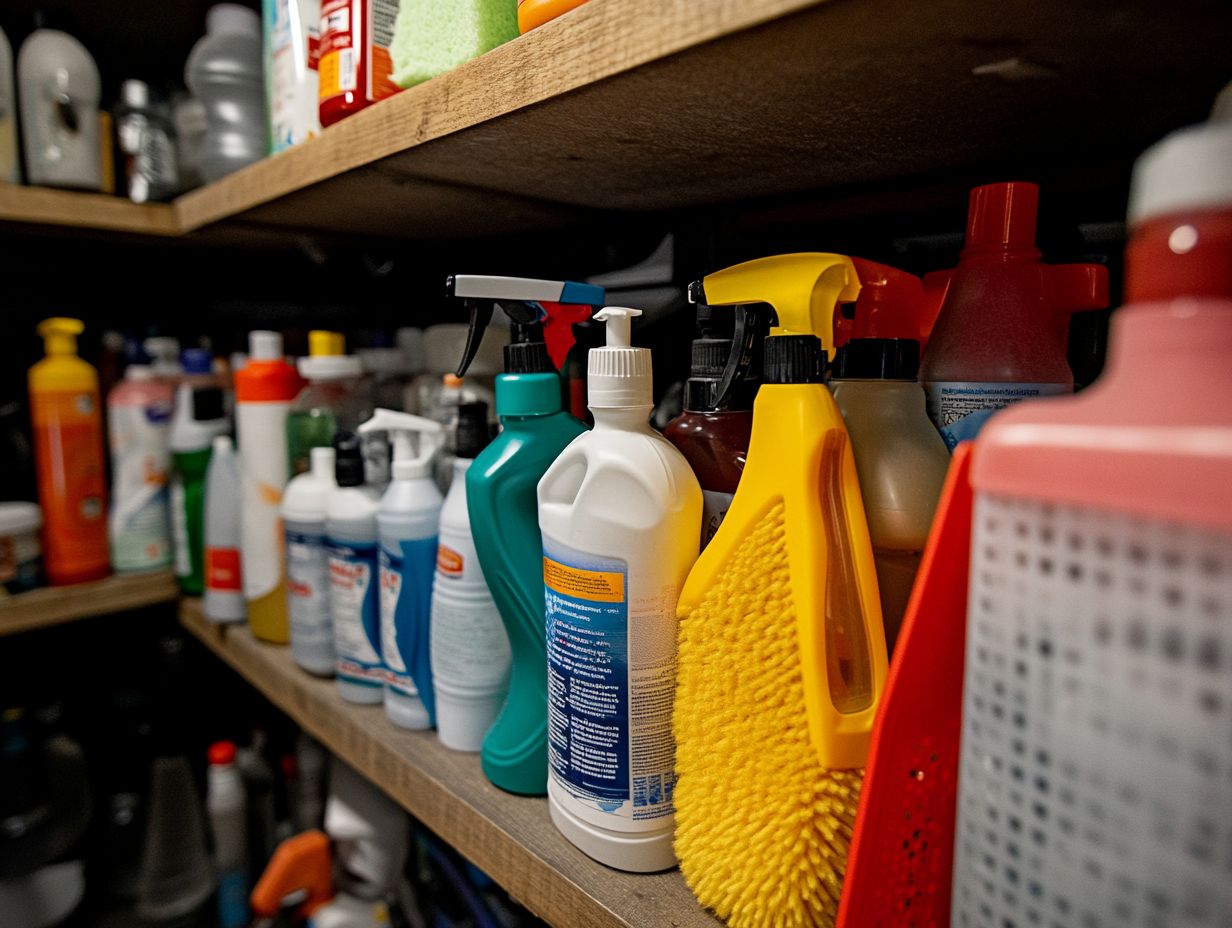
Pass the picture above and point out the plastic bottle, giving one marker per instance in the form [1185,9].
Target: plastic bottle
[308,584]
[197,366]
[164,352]
[355,67]
[454,392]
[224,72]
[336,397]
[224,578]
[176,876]
[292,47]
[226,803]
[713,431]
[532,13]
[901,460]
[68,452]
[1001,333]
[139,422]
[351,533]
[409,519]
[469,647]
[199,419]
[620,513]
[59,89]
[10,163]
[147,151]
[264,391]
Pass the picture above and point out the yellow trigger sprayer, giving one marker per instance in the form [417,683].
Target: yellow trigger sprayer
[782,653]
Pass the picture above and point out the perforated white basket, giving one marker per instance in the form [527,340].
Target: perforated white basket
[1095,783]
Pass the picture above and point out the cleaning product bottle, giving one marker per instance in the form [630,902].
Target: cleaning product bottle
[714,437]
[501,500]
[782,651]
[292,47]
[226,802]
[199,419]
[224,580]
[308,584]
[901,460]
[469,647]
[351,534]
[335,397]
[355,67]
[68,452]
[164,352]
[139,419]
[59,87]
[408,519]
[264,391]
[1002,329]
[621,514]
[532,13]
[10,164]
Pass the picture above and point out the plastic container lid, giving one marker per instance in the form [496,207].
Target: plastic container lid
[619,375]
[138,372]
[197,361]
[221,753]
[530,394]
[878,359]
[16,518]
[232,18]
[330,367]
[348,460]
[264,345]
[1191,169]
[1002,216]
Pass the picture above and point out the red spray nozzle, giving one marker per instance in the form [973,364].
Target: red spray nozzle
[558,328]
[302,864]
[892,304]
[1002,216]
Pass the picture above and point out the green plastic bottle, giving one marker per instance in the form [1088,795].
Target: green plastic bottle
[503,508]
[199,417]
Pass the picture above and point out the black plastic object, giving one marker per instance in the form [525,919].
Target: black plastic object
[794,359]
[473,432]
[348,460]
[208,404]
[523,316]
[526,353]
[878,359]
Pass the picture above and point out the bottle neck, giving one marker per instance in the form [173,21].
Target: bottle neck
[621,418]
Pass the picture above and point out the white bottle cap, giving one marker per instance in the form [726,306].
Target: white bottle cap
[138,372]
[264,345]
[232,18]
[322,466]
[1189,170]
[619,375]
[330,367]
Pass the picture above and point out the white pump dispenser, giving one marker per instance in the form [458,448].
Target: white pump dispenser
[408,521]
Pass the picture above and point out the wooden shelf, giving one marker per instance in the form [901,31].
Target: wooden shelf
[509,837]
[55,605]
[645,107]
[44,206]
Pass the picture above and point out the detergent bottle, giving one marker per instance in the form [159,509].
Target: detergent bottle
[224,578]
[68,453]
[1001,332]
[199,419]
[408,520]
[620,512]
[901,460]
[308,585]
[501,500]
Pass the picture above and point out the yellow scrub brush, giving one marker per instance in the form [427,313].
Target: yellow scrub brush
[782,653]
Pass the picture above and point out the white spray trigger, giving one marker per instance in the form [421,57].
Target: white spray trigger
[619,321]
[408,465]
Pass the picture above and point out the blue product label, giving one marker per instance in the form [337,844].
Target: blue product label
[587,612]
[959,409]
[353,607]
[406,609]
[232,899]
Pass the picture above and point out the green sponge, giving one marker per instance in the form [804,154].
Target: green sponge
[435,36]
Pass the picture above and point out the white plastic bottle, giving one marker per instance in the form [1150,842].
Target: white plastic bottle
[292,34]
[408,520]
[10,164]
[470,649]
[224,581]
[59,88]
[308,596]
[351,533]
[226,803]
[620,513]
[139,422]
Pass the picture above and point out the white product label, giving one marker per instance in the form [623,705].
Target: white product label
[959,409]
[293,27]
[141,464]
[353,606]
[714,509]
[262,432]
[391,587]
[308,591]
[347,72]
[611,682]
[179,528]
[470,650]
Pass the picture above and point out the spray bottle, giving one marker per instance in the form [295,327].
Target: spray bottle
[308,585]
[620,512]
[501,501]
[409,519]
[351,534]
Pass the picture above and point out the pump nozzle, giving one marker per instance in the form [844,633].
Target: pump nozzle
[407,464]
[619,321]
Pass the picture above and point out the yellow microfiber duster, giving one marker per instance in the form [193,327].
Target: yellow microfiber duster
[781,648]
[435,36]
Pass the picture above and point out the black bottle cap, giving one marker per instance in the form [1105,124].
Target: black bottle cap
[709,357]
[348,460]
[878,359]
[527,353]
[473,432]
[793,359]
[208,404]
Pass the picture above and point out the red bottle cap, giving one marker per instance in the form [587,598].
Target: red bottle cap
[221,753]
[891,305]
[1002,216]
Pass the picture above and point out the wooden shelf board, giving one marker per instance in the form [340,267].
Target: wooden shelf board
[509,837]
[45,206]
[55,605]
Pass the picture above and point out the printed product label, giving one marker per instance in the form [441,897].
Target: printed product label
[222,570]
[959,409]
[140,531]
[714,508]
[609,720]
[353,607]
[337,65]
[383,13]
[308,590]
[406,609]
[262,432]
[469,644]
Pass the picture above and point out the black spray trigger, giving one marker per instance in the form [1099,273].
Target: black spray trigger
[481,315]
[752,321]
[520,311]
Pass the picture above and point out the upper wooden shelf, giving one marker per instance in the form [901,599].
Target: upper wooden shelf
[509,837]
[55,605]
[65,208]
[646,106]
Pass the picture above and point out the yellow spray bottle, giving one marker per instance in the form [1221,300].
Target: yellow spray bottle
[782,654]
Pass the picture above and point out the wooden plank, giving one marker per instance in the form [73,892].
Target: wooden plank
[509,837]
[55,605]
[46,206]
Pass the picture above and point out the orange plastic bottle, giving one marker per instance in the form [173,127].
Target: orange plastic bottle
[68,450]
[532,13]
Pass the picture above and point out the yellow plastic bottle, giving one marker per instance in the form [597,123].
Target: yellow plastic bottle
[782,653]
[68,449]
